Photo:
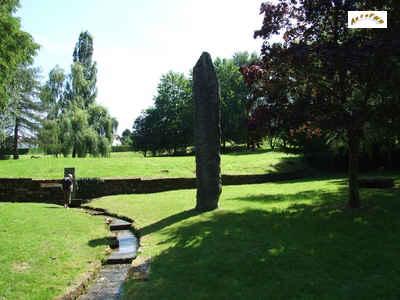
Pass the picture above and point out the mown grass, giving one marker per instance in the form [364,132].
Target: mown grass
[293,240]
[45,249]
[131,164]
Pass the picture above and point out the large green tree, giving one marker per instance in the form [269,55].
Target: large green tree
[168,126]
[82,84]
[234,97]
[16,47]
[24,106]
[325,76]
[75,123]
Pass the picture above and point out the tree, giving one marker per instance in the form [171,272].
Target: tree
[75,122]
[126,138]
[6,131]
[53,92]
[174,105]
[49,137]
[325,76]
[83,72]
[16,47]
[234,97]
[24,106]
[168,126]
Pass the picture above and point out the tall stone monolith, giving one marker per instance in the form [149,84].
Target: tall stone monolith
[207,133]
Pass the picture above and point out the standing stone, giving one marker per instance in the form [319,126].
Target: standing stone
[207,133]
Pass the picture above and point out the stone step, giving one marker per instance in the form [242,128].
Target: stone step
[118,224]
[127,248]
[120,258]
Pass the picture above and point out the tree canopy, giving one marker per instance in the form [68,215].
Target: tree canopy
[75,124]
[16,47]
[168,125]
[325,78]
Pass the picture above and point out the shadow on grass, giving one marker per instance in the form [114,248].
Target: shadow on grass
[59,206]
[105,241]
[307,195]
[288,164]
[248,152]
[304,252]
[168,221]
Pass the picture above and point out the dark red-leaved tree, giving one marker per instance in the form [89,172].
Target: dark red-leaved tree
[325,76]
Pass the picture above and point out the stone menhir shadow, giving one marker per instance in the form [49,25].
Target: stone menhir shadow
[207,133]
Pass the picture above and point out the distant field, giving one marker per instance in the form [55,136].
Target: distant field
[131,164]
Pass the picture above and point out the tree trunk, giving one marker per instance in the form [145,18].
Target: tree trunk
[15,145]
[354,148]
[73,152]
[271,143]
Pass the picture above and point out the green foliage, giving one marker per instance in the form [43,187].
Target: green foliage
[52,93]
[17,47]
[168,126]
[49,137]
[234,97]
[83,72]
[126,138]
[24,107]
[326,79]
[75,123]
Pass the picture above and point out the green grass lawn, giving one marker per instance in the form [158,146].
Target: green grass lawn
[292,240]
[45,249]
[131,164]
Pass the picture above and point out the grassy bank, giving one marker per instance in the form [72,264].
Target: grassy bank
[131,164]
[45,249]
[292,240]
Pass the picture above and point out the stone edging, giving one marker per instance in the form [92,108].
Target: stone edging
[80,289]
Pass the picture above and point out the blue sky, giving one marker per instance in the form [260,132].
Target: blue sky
[135,42]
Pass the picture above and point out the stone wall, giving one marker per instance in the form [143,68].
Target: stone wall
[29,190]
[49,191]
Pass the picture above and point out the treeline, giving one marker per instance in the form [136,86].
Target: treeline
[61,116]
[167,126]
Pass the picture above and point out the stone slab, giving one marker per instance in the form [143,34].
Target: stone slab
[118,224]
[127,248]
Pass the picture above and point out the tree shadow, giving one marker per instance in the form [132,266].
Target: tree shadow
[104,241]
[316,197]
[168,221]
[290,164]
[318,251]
[248,152]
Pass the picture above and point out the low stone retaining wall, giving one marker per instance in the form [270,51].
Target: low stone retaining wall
[49,191]
[29,190]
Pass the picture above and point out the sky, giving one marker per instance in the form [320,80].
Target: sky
[136,41]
